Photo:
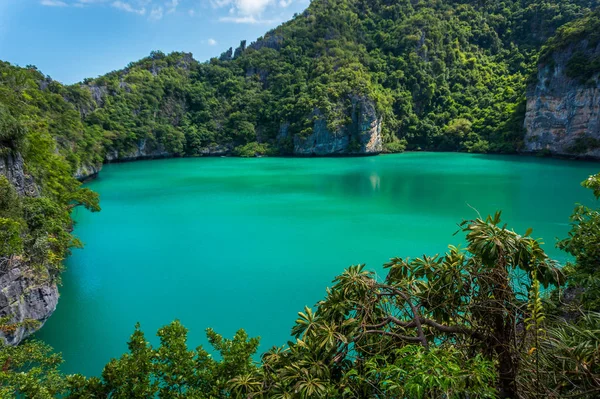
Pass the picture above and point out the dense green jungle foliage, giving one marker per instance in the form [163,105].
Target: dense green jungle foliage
[443,75]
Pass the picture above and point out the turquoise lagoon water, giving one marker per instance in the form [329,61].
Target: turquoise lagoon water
[235,243]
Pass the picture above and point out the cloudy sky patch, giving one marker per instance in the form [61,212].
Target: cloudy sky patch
[71,40]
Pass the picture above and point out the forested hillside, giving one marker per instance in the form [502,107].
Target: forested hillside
[359,76]
[443,75]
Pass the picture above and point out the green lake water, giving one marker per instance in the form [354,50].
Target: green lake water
[235,243]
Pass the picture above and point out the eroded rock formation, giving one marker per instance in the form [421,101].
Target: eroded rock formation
[361,137]
[563,109]
[27,297]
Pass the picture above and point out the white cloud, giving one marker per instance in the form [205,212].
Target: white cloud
[221,3]
[240,11]
[212,42]
[85,3]
[252,7]
[250,11]
[249,19]
[171,6]
[53,3]
[156,13]
[121,5]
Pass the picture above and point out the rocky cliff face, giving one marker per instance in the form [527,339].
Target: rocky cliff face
[361,137]
[143,150]
[11,166]
[563,111]
[87,172]
[27,298]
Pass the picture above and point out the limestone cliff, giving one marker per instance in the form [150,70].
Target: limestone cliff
[563,107]
[27,297]
[87,172]
[143,150]
[361,137]
[12,166]
[140,151]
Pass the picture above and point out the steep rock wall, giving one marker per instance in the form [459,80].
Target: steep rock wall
[11,166]
[361,137]
[87,172]
[143,150]
[563,110]
[27,297]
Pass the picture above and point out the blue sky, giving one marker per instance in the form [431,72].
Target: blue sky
[70,40]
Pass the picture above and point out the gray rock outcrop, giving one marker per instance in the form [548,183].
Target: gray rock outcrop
[143,150]
[361,137]
[563,113]
[11,166]
[87,172]
[27,297]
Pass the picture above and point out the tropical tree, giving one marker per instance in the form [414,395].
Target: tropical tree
[172,370]
[30,370]
[464,312]
[583,243]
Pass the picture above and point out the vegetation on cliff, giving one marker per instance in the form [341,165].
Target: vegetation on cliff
[584,35]
[37,187]
[583,244]
[442,75]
